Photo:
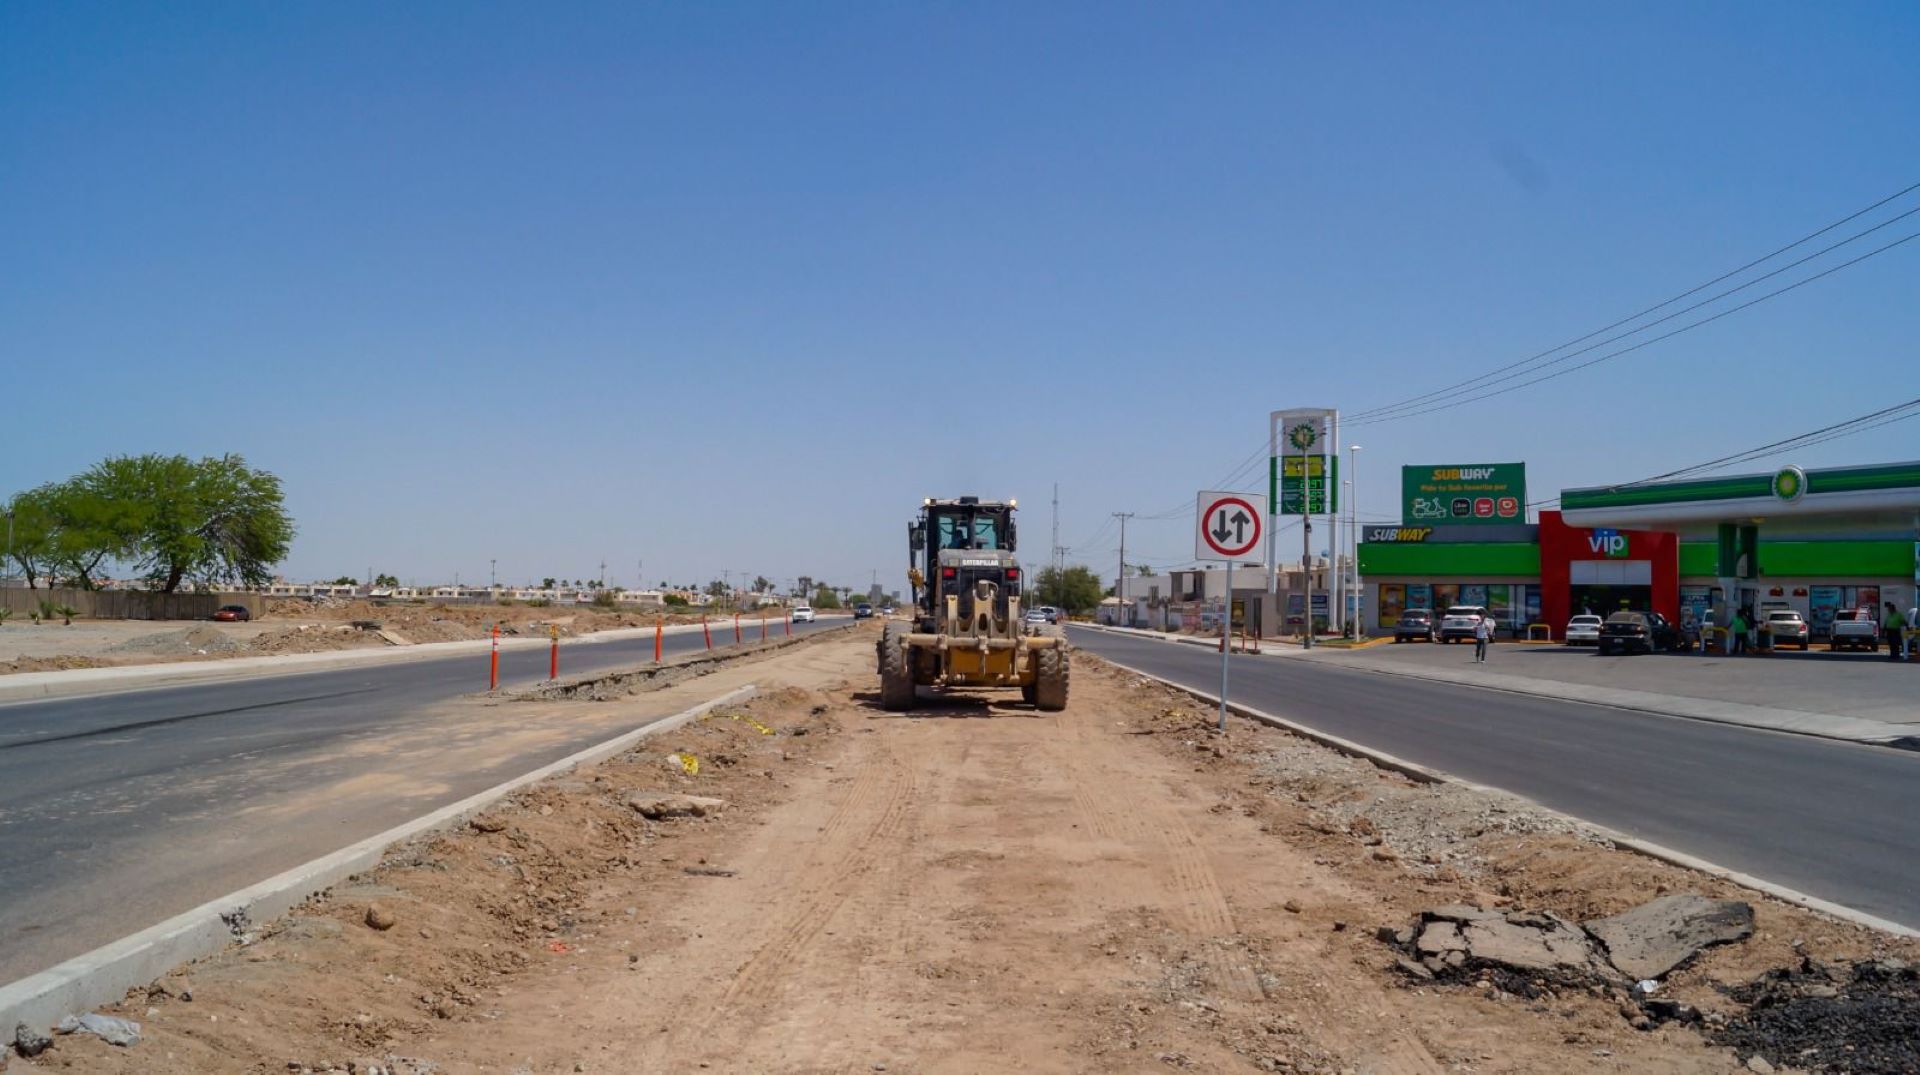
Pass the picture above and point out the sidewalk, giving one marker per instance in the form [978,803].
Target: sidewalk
[1793,719]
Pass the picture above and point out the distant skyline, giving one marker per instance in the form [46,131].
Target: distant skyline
[728,288]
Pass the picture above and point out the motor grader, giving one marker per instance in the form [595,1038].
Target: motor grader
[966,628]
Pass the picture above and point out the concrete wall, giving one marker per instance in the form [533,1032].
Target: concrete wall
[127,604]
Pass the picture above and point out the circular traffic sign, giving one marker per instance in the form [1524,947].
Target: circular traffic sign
[1230,526]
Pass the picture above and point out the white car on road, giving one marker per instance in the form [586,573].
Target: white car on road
[803,613]
[1583,630]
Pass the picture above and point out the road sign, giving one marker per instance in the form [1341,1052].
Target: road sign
[1230,526]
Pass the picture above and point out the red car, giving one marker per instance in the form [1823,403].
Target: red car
[233,614]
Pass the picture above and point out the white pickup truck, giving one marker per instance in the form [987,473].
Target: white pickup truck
[1854,628]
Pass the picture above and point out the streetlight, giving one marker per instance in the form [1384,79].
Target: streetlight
[1353,528]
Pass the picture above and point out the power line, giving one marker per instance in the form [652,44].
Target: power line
[1386,415]
[1647,342]
[1467,384]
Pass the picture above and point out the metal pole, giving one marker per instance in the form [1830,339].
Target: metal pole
[1120,580]
[1353,534]
[1338,595]
[1226,629]
[1306,582]
[1273,506]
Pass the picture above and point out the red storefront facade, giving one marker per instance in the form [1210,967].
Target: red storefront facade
[1577,562]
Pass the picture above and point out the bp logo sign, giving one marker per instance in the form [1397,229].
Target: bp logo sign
[1790,484]
[1303,437]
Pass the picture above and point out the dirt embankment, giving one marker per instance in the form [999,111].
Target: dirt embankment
[981,887]
[305,627]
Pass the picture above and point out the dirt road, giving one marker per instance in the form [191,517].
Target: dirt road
[976,887]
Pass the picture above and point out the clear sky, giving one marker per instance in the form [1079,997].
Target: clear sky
[725,287]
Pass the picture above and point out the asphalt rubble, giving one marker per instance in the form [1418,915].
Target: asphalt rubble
[1815,1017]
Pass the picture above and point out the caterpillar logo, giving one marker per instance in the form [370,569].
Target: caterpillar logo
[1462,474]
[1398,534]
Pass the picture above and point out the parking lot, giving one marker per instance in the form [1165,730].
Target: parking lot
[1868,686]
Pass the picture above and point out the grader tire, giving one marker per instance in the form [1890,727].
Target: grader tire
[896,675]
[1050,679]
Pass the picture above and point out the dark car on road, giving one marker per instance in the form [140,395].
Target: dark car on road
[233,614]
[862,610]
[1415,625]
[1640,632]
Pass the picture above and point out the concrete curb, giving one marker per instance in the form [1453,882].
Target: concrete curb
[34,686]
[1428,775]
[104,975]
[1831,726]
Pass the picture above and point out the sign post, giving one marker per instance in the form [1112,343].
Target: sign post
[1230,526]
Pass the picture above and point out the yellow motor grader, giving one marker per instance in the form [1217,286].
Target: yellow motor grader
[966,628]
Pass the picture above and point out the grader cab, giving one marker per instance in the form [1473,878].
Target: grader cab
[966,628]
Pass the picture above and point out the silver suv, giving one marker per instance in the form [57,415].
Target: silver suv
[1461,621]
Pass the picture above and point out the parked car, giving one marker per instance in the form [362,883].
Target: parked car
[1643,632]
[803,613]
[862,610]
[233,614]
[1854,628]
[1052,614]
[1460,622]
[1035,618]
[1787,628]
[1415,625]
[1584,630]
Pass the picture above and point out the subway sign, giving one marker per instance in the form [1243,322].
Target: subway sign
[1398,535]
[1466,495]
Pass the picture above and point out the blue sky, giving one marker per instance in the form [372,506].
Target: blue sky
[730,287]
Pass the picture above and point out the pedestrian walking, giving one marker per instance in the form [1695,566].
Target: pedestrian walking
[1482,634]
[1893,627]
[1737,633]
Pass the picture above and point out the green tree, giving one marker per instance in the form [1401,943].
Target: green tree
[1076,589]
[716,588]
[547,583]
[63,530]
[761,584]
[387,582]
[823,597]
[212,521]
[345,580]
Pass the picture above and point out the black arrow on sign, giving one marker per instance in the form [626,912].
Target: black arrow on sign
[1240,522]
[1220,528]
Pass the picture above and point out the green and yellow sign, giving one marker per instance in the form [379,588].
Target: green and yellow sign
[1472,494]
[1305,484]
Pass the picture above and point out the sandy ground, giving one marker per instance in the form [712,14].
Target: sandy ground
[977,887]
[290,627]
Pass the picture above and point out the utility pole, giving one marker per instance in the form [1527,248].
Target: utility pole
[492,578]
[1056,528]
[1353,531]
[1306,575]
[1120,580]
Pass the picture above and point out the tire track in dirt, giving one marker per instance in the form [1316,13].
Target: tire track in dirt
[1195,890]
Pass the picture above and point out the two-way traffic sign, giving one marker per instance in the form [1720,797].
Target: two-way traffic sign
[1230,526]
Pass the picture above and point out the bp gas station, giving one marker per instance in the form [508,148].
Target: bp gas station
[1815,540]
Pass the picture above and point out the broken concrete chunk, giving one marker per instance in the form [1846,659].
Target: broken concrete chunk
[109,1028]
[1660,935]
[1409,967]
[1527,948]
[653,805]
[1440,937]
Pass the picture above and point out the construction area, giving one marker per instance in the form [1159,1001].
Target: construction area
[807,882]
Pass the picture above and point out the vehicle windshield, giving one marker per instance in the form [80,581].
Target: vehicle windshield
[1784,615]
[1415,617]
[1466,610]
[965,531]
[1585,620]
[1627,617]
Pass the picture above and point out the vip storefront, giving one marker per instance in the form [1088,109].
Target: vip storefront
[1813,540]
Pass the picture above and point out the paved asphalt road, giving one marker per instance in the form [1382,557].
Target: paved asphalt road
[1833,820]
[118,811]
